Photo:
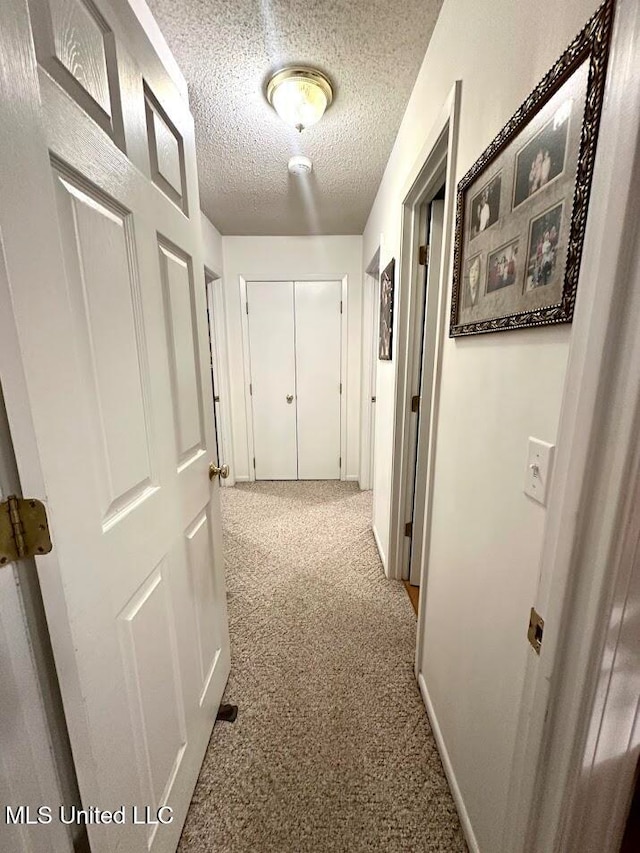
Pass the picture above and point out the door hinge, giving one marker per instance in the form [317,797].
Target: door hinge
[341,387]
[251,389]
[246,305]
[254,462]
[536,630]
[415,403]
[408,529]
[340,462]
[423,256]
[373,399]
[24,529]
[341,306]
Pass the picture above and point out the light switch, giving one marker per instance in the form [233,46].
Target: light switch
[539,469]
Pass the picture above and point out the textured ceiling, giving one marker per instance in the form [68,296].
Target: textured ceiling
[371,51]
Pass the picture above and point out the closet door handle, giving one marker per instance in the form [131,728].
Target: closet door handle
[289,398]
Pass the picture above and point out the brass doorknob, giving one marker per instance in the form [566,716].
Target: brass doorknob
[222,471]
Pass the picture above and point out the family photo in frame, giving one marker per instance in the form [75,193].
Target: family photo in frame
[387,282]
[522,207]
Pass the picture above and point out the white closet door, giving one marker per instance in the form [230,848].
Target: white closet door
[317,313]
[273,378]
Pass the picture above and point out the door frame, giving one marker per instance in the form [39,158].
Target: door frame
[416,352]
[436,161]
[370,308]
[217,312]
[423,378]
[435,164]
[39,768]
[246,361]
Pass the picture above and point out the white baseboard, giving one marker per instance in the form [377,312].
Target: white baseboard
[379,547]
[352,478]
[242,478]
[465,821]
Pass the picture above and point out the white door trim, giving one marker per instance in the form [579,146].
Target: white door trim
[609,760]
[246,373]
[246,361]
[344,341]
[583,559]
[29,771]
[418,503]
[368,356]
[425,178]
[217,312]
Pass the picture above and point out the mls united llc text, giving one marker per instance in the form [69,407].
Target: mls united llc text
[144,815]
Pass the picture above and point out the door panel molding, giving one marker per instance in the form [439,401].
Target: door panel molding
[86,68]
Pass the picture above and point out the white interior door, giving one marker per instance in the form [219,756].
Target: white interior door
[273,378]
[427,362]
[416,319]
[318,336]
[104,347]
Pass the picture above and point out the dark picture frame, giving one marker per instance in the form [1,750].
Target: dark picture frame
[387,282]
[522,207]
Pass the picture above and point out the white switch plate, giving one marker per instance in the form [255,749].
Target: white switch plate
[539,469]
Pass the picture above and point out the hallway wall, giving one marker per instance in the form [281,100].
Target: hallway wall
[211,245]
[497,390]
[290,259]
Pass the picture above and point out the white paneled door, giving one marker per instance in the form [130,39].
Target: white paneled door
[108,388]
[295,387]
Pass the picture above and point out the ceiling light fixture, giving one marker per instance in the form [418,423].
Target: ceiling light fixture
[300,165]
[299,95]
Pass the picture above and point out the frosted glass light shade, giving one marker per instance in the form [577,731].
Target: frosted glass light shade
[300,96]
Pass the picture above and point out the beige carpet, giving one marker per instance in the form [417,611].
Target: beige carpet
[332,750]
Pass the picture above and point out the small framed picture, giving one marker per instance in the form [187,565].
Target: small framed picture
[385,345]
[474,271]
[503,266]
[522,207]
[485,206]
[542,160]
[543,265]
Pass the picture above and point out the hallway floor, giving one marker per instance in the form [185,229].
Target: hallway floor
[332,749]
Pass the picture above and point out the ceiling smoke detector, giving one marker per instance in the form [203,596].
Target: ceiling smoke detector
[300,165]
[299,95]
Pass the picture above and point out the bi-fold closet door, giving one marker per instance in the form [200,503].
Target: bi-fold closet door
[295,359]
